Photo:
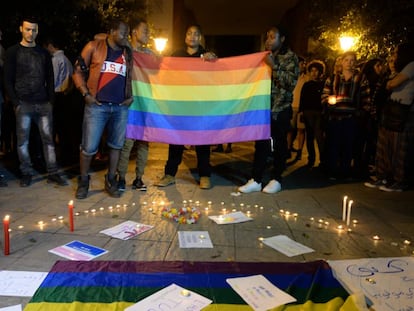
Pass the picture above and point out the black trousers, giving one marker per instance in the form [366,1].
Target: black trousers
[279,130]
[175,156]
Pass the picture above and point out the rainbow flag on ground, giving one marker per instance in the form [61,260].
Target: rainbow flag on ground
[115,285]
[186,100]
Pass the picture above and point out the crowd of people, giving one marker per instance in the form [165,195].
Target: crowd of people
[356,119]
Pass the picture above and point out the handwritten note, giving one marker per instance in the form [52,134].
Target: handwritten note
[387,283]
[231,218]
[171,298]
[287,246]
[126,230]
[20,283]
[194,239]
[259,293]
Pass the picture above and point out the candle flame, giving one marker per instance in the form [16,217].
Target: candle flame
[332,101]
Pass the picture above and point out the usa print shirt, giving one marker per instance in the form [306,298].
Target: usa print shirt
[111,85]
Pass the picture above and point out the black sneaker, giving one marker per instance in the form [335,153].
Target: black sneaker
[121,184]
[57,179]
[375,184]
[138,184]
[83,187]
[111,187]
[26,181]
[397,187]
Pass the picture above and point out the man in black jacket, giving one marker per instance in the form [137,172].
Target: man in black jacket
[29,83]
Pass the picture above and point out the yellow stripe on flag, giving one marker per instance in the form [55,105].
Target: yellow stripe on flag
[201,92]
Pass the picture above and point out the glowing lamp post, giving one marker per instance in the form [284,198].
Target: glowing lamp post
[347,42]
[160,44]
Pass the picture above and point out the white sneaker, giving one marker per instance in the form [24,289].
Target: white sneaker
[272,187]
[250,186]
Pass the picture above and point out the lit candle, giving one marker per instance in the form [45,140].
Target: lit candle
[185,293]
[332,100]
[6,222]
[344,208]
[348,216]
[70,207]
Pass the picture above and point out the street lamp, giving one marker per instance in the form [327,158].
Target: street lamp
[347,42]
[160,44]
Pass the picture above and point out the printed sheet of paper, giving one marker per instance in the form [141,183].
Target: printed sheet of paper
[386,282]
[77,250]
[172,298]
[287,246]
[126,230]
[12,308]
[194,239]
[20,283]
[231,218]
[259,293]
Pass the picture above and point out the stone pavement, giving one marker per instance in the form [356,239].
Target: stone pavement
[39,216]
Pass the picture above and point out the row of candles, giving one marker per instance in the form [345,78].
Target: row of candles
[6,228]
[346,217]
[6,220]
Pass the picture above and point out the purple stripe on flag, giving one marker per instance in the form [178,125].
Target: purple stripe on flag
[211,137]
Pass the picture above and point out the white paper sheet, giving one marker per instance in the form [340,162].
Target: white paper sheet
[387,283]
[231,218]
[171,298]
[12,308]
[259,293]
[126,230]
[287,246]
[194,239]
[20,283]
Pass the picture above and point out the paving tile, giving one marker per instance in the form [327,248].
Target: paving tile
[316,202]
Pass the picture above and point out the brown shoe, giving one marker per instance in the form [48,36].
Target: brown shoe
[205,182]
[165,181]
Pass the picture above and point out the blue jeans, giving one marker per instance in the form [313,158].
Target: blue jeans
[41,114]
[96,117]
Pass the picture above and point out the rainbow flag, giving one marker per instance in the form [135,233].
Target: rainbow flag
[115,285]
[188,101]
